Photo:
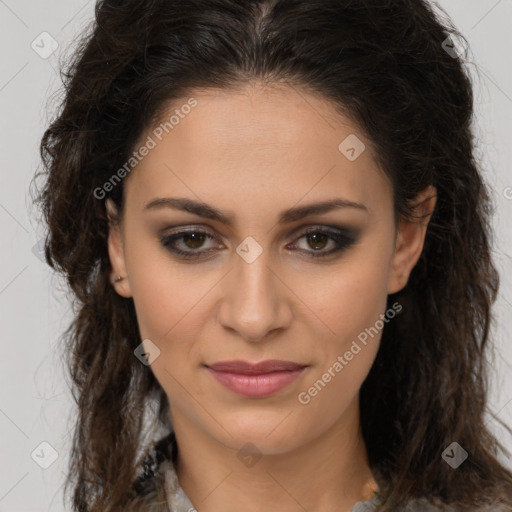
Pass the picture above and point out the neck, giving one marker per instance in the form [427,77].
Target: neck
[329,473]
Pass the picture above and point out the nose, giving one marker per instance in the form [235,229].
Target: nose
[255,301]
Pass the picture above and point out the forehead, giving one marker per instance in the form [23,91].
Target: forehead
[262,143]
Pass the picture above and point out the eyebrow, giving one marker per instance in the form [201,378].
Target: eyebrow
[210,212]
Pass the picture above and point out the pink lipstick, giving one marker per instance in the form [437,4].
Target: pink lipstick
[256,380]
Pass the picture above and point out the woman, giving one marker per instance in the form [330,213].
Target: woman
[278,239]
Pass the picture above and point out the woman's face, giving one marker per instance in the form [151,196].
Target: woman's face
[259,287]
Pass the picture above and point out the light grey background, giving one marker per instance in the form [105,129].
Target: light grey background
[35,404]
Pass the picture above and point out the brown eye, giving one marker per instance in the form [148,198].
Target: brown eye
[190,241]
[317,240]
[194,240]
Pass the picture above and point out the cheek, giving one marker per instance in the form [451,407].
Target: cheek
[167,307]
[164,293]
[350,306]
[169,302]
[347,298]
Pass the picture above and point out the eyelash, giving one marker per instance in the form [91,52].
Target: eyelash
[343,242]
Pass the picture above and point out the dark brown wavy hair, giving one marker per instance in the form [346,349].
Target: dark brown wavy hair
[386,64]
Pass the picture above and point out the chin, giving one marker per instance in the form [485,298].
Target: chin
[264,435]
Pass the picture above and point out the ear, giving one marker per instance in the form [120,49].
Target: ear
[410,239]
[116,251]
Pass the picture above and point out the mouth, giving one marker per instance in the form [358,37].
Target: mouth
[256,380]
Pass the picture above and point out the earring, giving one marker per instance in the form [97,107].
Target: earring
[117,279]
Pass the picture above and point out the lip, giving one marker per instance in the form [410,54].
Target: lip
[256,380]
[247,368]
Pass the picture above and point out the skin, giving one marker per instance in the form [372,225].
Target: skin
[252,153]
